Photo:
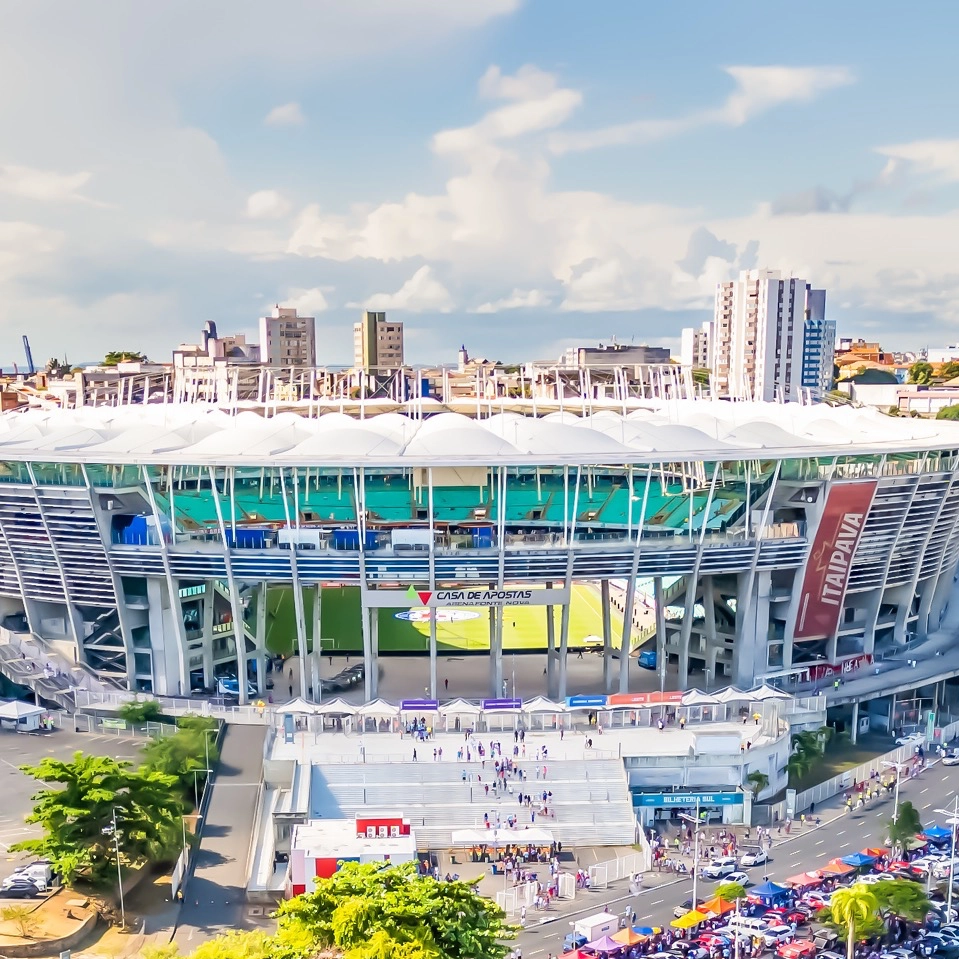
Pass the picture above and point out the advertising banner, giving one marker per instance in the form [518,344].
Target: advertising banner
[827,569]
[489,704]
[837,670]
[687,799]
[646,699]
[467,596]
[585,702]
[419,705]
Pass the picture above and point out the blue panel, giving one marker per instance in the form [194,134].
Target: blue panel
[687,799]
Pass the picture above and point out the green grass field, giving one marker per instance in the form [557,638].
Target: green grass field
[524,627]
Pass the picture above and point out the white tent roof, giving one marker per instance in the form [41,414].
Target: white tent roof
[335,707]
[198,434]
[536,835]
[696,697]
[731,694]
[460,707]
[378,707]
[543,705]
[296,706]
[17,709]
[767,692]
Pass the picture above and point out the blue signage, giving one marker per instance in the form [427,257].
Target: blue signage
[687,799]
[586,702]
[419,705]
[502,704]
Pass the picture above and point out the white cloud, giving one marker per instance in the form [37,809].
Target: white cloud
[757,90]
[24,244]
[517,300]
[308,302]
[46,186]
[937,158]
[285,115]
[267,205]
[421,293]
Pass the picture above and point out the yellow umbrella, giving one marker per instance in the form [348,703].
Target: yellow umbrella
[692,918]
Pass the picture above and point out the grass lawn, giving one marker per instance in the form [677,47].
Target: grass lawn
[524,627]
[841,756]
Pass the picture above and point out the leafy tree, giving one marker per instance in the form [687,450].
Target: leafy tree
[906,825]
[901,899]
[731,891]
[757,781]
[77,818]
[949,412]
[700,376]
[115,357]
[184,752]
[854,910]
[371,911]
[24,919]
[140,711]
[920,372]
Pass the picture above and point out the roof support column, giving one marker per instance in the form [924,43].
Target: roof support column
[299,612]
[434,684]
[370,677]
[568,584]
[629,605]
[551,689]
[607,636]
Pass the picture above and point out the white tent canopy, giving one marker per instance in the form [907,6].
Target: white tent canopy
[296,707]
[696,697]
[379,707]
[17,709]
[335,707]
[542,705]
[732,695]
[768,692]
[535,835]
[460,707]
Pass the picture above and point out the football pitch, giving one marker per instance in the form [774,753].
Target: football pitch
[524,627]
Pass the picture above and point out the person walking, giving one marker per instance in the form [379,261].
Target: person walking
[414,755]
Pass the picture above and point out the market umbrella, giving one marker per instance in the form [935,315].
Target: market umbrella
[916,843]
[604,944]
[629,937]
[692,918]
[836,867]
[804,879]
[937,833]
[717,905]
[877,851]
[858,859]
[648,930]
[768,890]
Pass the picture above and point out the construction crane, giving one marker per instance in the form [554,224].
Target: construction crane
[26,349]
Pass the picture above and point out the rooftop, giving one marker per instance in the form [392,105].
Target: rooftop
[425,434]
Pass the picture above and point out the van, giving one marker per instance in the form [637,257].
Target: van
[749,924]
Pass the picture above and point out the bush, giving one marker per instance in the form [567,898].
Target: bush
[949,412]
[140,711]
[183,754]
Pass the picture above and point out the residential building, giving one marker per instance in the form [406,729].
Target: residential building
[614,354]
[949,354]
[695,345]
[377,343]
[761,350]
[287,339]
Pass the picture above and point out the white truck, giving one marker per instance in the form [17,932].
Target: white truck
[590,929]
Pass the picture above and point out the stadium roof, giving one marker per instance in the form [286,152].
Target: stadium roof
[670,432]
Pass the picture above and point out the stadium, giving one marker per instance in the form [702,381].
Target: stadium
[178,546]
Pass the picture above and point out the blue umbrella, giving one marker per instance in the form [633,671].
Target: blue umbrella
[769,890]
[857,860]
[937,833]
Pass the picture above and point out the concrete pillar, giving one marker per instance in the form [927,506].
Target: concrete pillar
[563,650]
[627,637]
[369,661]
[434,687]
[662,657]
[686,631]
[607,637]
[496,652]
[301,647]
[854,732]
[375,651]
[209,599]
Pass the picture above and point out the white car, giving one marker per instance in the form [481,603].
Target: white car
[951,760]
[18,878]
[775,935]
[739,877]
[720,868]
[913,739]
[755,858]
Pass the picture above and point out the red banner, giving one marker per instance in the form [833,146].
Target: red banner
[827,569]
[645,699]
[842,668]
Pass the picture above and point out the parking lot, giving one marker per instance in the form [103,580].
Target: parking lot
[17,749]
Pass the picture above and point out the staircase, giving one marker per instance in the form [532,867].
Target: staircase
[591,799]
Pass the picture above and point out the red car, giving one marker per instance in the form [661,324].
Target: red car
[786,916]
[799,949]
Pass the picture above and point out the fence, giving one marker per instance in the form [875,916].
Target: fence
[106,726]
[603,873]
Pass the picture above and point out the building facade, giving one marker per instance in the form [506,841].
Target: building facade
[695,346]
[377,343]
[287,339]
[759,349]
[615,354]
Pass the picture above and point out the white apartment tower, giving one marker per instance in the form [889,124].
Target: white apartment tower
[694,346]
[377,343]
[287,339]
[770,339]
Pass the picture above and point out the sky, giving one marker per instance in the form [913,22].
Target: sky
[515,175]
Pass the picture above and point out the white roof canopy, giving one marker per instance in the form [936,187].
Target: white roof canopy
[296,707]
[17,709]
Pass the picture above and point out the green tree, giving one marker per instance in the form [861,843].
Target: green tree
[757,781]
[139,711]
[901,899]
[370,911]
[855,911]
[949,412]
[76,819]
[905,826]
[115,357]
[920,372]
[731,891]
[184,753]
[948,371]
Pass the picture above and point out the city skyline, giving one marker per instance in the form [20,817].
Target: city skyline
[567,180]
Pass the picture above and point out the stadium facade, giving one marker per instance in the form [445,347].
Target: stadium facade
[793,541]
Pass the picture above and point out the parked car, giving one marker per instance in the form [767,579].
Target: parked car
[952,759]
[739,877]
[798,949]
[689,950]
[755,857]
[775,935]
[19,890]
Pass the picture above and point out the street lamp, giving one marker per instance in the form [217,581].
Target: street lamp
[113,831]
[695,853]
[953,821]
[898,768]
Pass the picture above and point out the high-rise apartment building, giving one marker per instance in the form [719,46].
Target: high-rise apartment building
[377,343]
[694,346]
[770,338]
[287,339]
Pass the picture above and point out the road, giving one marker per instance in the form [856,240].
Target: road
[803,850]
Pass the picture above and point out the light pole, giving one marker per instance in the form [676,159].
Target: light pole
[898,768]
[113,831]
[953,821]
[196,787]
[695,853]
[206,745]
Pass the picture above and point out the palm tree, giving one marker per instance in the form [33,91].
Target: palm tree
[758,782]
[853,907]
